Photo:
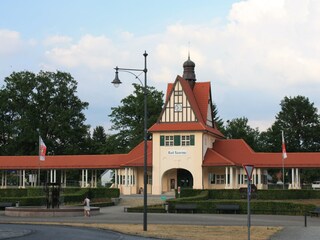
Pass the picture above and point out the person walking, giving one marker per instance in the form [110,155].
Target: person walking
[86,204]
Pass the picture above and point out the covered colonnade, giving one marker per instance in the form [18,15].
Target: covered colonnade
[29,171]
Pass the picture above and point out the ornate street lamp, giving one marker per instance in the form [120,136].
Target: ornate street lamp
[116,82]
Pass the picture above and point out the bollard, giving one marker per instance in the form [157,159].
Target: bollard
[305,219]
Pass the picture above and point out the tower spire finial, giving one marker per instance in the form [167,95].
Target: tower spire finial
[188,69]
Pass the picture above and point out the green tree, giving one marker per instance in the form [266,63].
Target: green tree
[218,121]
[238,128]
[102,143]
[128,119]
[300,121]
[45,104]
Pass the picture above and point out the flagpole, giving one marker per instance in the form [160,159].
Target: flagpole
[284,156]
[39,163]
[42,153]
[282,172]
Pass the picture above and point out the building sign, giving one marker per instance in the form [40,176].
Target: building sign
[177,152]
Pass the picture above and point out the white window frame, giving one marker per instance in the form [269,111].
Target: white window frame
[220,179]
[185,140]
[168,140]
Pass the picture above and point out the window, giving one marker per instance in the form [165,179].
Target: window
[149,179]
[212,178]
[133,180]
[220,179]
[177,140]
[216,179]
[185,140]
[168,141]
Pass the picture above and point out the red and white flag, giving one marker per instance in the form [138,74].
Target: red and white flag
[284,152]
[42,150]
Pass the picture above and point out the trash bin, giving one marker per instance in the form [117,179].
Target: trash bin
[17,204]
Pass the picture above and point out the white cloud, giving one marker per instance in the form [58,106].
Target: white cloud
[90,51]
[57,40]
[11,42]
[268,49]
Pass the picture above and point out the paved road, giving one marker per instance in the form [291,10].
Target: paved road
[40,232]
[298,233]
[117,215]
[293,225]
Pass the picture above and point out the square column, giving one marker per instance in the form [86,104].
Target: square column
[116,178]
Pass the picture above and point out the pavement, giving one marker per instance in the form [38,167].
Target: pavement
[293,226]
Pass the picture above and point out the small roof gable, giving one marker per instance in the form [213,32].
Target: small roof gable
[198,98]
[236,150]
[213,158]
[135,158]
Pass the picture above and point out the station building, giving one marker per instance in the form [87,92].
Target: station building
[187,150]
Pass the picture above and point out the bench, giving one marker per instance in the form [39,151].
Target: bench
[3,205]
[227,208]
[186,207]
[315,212]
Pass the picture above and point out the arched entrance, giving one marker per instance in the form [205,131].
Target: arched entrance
[184,178]
[174,178]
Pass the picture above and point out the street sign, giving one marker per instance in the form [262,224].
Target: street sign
[249,170]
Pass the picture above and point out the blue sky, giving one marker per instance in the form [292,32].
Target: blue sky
[254,52]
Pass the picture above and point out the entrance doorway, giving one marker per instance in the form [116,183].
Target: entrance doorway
[185,179]
[172,184]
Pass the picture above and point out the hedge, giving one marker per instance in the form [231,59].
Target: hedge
[260,194]
[287,194]
[265,202]
[25,201]
[36,196]
[256,207]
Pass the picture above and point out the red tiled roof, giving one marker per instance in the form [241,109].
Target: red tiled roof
[202,93]
[135,158]
[238,152]
[62,162]
[212,158]
[111,161]
[294,160]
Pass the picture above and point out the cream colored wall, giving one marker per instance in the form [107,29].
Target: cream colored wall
[208,141]
[163,160]
[139,181]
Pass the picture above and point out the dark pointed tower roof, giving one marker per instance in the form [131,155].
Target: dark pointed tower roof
[188,71]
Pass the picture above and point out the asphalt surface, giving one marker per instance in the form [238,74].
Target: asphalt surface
[294,226]
[40,232]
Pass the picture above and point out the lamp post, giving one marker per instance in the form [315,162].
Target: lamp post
[116,82]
